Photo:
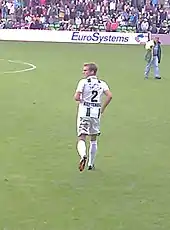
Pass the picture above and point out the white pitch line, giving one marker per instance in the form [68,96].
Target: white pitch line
[32,67]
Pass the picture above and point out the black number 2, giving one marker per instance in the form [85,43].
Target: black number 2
[94,93]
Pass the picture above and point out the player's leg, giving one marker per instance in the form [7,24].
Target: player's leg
[92,152]
[83,126]
[147,69]
[94,132]
[156,68]
[81,148]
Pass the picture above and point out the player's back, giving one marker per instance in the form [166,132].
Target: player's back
[93,90]
[92,93]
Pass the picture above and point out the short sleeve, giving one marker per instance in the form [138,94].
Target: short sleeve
[80,86]
[105,86]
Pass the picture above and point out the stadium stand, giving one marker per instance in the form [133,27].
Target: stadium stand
[88,15]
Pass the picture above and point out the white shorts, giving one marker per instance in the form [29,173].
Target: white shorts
[88,126]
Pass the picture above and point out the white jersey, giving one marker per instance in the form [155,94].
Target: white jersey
[92,90]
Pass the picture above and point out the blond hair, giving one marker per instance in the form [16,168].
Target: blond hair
[92,67]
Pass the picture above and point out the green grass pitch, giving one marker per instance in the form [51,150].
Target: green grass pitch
[41,187]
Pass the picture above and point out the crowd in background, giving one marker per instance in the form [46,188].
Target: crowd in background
[87,15]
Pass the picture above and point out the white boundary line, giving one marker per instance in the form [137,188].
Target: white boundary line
[31,66]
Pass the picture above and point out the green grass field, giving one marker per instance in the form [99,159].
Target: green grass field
[41,187]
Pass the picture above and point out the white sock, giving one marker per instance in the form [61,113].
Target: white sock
[81,148]
[92,152]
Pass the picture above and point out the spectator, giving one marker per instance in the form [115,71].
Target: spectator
[91,15]
[145,25]
[78,21]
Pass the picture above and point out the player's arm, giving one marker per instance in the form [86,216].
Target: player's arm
[79,90]
[107,100]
